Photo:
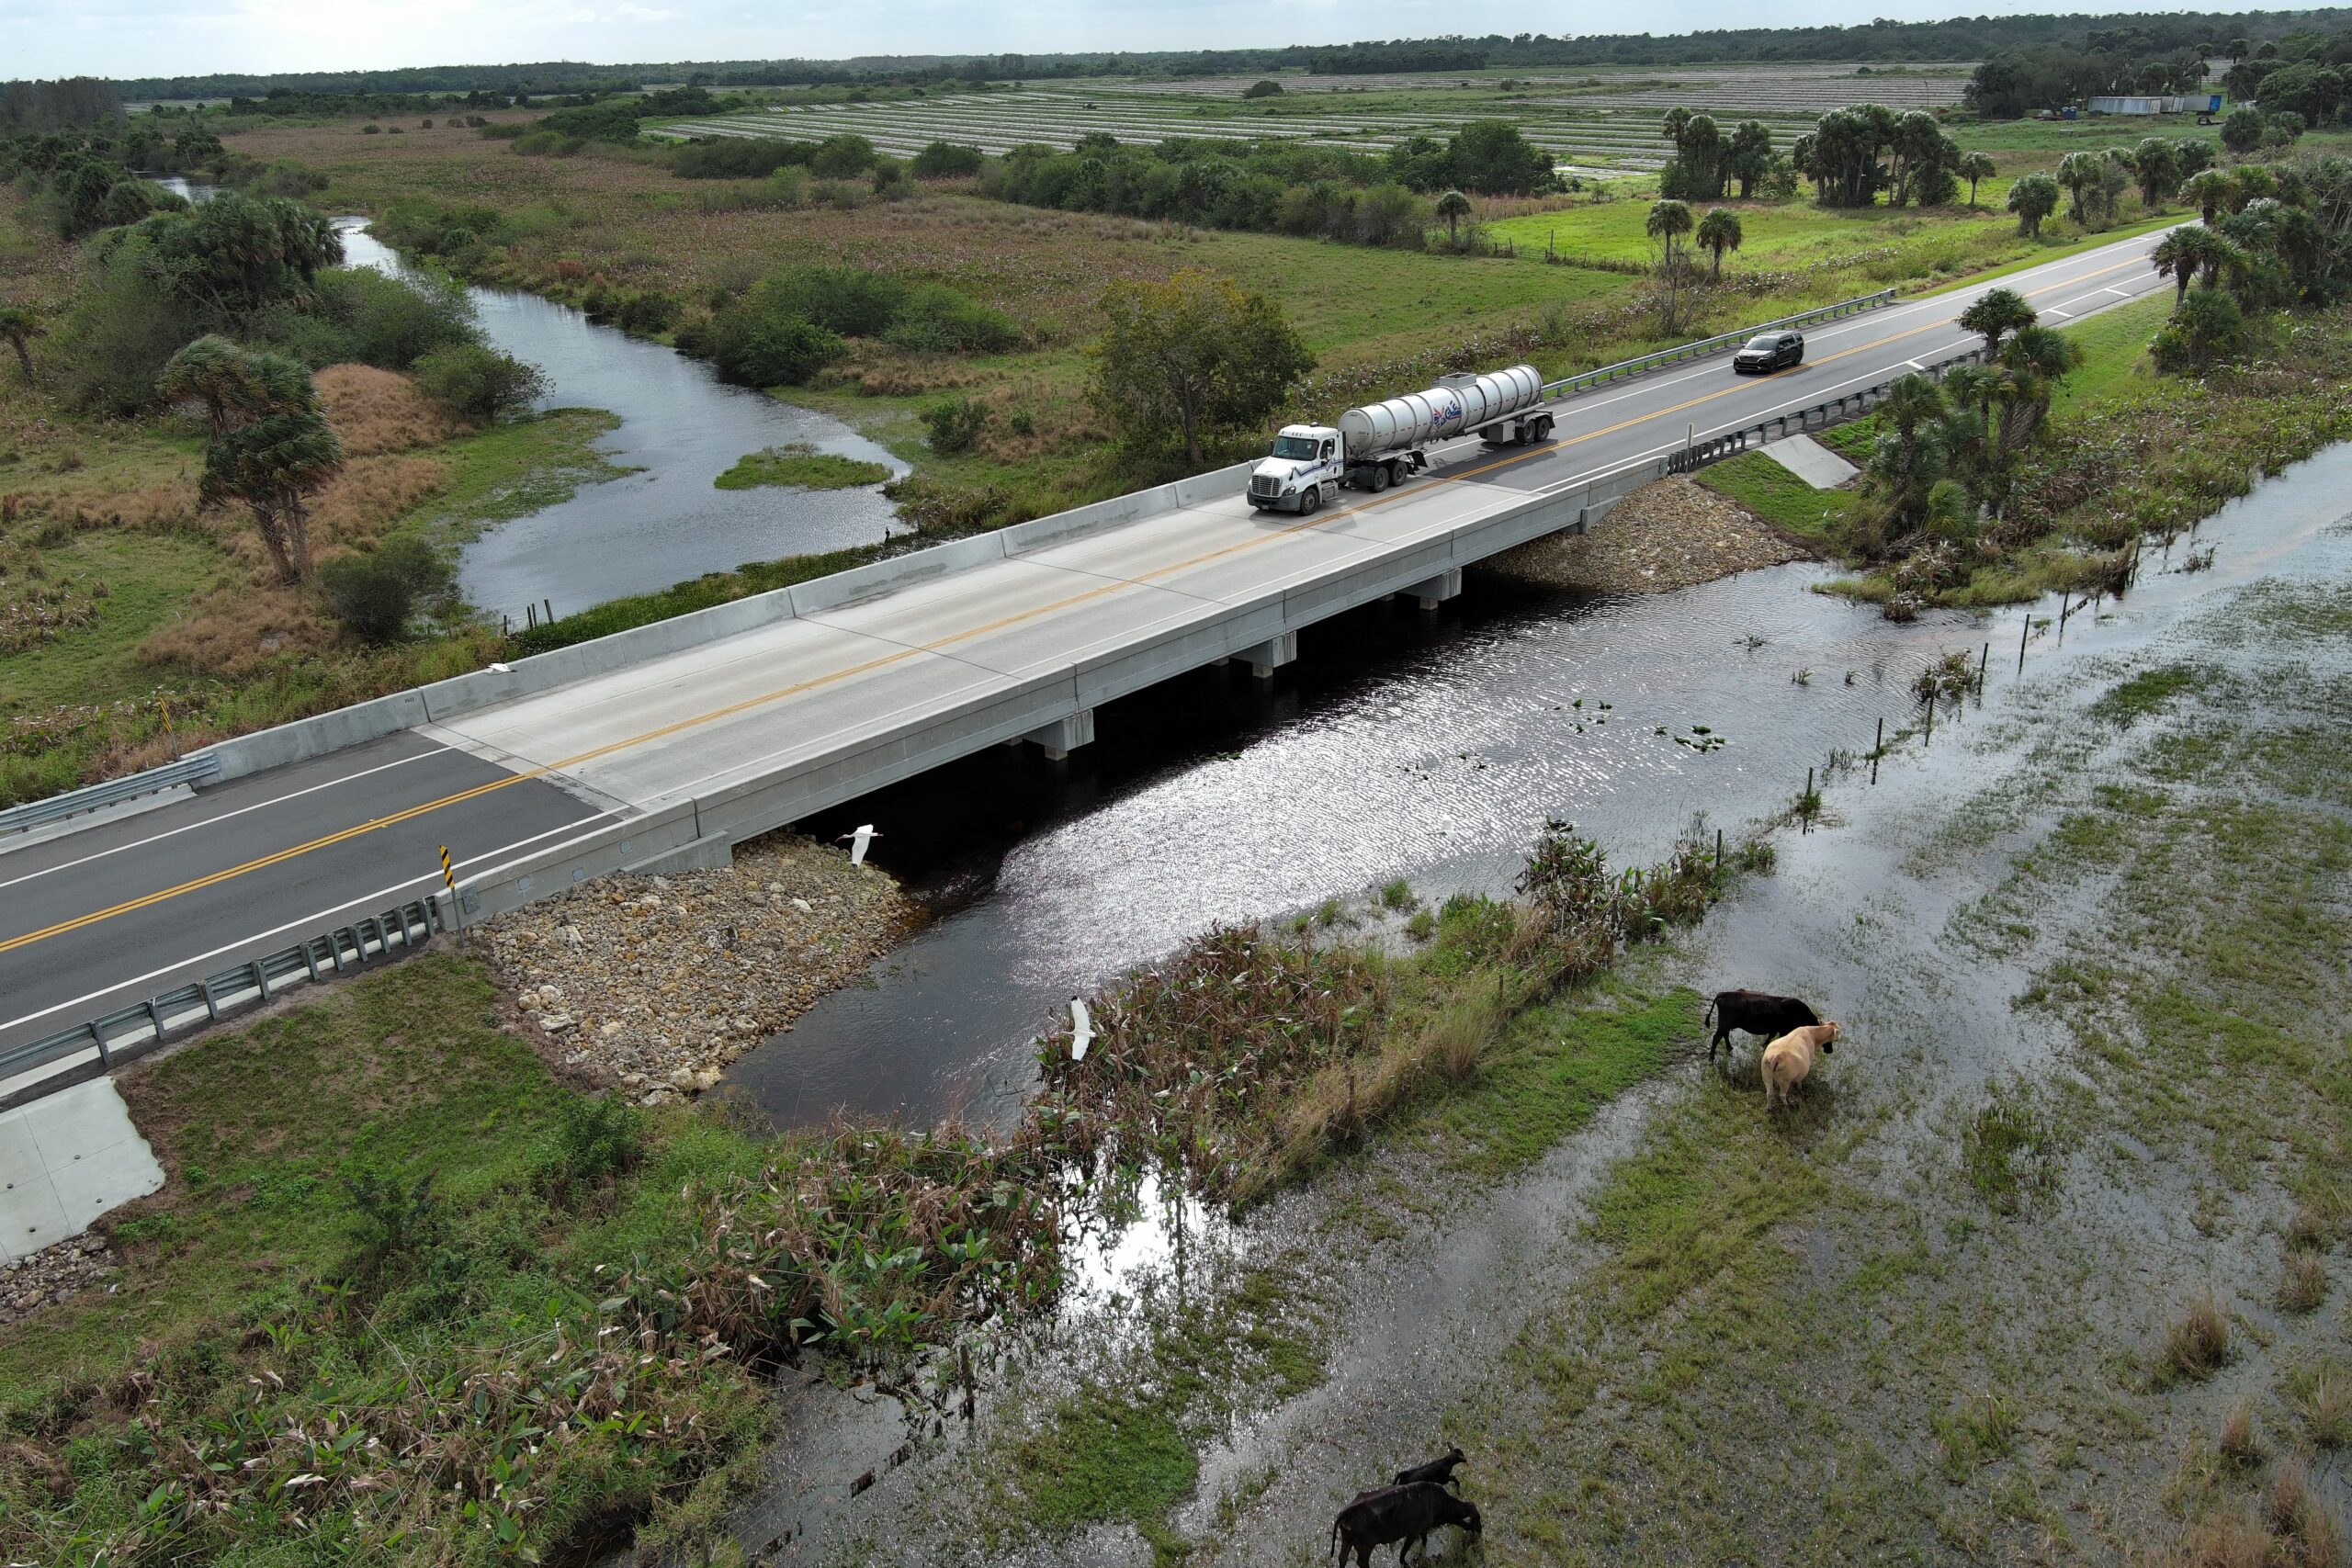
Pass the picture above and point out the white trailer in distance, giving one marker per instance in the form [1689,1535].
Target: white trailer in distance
[1371,448]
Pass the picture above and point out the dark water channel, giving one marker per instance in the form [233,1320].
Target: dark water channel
[680,428]
[1429,749]
[1096,875]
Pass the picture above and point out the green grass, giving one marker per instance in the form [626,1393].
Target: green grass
[1099,1457]
[513,469]
[801,467]
[1760,483]
[255,1200]
[148,576]
[2115,367]
[1349,298]
[696,593]
[1554,1068]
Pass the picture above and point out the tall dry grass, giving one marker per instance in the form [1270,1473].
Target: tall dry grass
[1253,1051]
[376,412]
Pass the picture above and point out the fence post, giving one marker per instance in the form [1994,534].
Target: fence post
[2024,632]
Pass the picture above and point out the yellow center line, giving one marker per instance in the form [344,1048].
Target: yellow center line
[799,687]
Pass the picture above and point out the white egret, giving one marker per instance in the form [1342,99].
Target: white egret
[858,841]
[1081,1029]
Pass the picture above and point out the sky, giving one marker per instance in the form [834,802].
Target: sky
[163,38]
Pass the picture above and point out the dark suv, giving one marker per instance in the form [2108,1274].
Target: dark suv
[1769,351]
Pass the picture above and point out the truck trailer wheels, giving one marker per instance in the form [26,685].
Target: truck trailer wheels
[1381,477]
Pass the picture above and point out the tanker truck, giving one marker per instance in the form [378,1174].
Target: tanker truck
[1371,448]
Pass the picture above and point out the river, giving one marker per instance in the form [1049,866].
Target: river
[1399,746]
[1429,748]
[680,428]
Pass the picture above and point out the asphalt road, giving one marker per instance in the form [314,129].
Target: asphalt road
[99,918]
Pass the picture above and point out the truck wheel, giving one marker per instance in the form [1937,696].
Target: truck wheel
[1380,477]
[1543,428]
[1309,498]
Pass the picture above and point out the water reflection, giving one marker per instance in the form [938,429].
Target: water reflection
[1396,747]
[680,427]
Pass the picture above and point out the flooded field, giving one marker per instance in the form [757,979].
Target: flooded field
[1972,1351]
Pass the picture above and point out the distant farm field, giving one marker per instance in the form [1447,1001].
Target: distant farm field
[1589,123]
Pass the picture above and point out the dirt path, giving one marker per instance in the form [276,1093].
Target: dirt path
[1949,1310]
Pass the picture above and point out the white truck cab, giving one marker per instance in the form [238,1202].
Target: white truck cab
[1305,468]
[1386,444]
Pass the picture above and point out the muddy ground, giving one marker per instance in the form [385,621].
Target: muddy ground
[2047,1266]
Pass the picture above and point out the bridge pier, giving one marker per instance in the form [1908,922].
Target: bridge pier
[1267,656]
[1446,584]
[1062,737]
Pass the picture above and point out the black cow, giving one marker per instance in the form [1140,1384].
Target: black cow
[1402,1514]
[1438,1470]
[1756,1012]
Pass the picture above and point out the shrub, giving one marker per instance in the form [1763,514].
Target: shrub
[838,157]
[956,424]
[392,1222]
[373,595]
[1263,89]
[393,323]
[593,1139]
[2207,326]
[753,344]
[936,319]
[846,299]
[481,382]
[944,160]
[547,144]
[736,158]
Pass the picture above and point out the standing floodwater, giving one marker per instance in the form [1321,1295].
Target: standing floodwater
[1396,747]
[681,428]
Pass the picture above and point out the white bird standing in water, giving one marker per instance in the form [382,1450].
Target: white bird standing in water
[858,841]
[1081,1029]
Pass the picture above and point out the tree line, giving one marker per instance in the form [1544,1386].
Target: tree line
[1962,37]
[2302,71]
[1280,187]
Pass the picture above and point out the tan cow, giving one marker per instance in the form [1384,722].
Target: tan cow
[1788,1061]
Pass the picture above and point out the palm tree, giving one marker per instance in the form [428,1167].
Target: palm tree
[2180,255]
[1719,232]
[270,447]
[2210,190]
[1911,402]
[20,326]
[1452,207]
[2033,199]
[2156,167]
[271,466]
[1975,167]
[2080,174]
[1669,221]
[1997,313]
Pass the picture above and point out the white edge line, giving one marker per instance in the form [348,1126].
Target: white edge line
[365,899]
[225,816]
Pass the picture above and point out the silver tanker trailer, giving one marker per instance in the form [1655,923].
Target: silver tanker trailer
[1371,448]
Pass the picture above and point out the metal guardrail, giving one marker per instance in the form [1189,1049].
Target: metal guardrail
[1820,416]
[72,802]
[128,1033]
[1717,344]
